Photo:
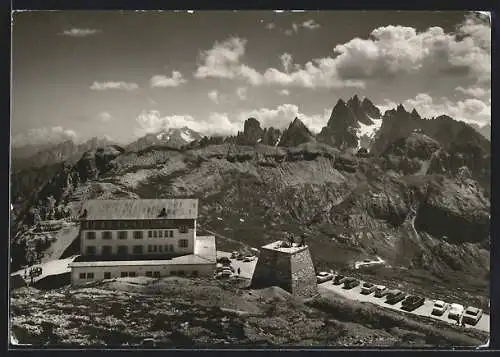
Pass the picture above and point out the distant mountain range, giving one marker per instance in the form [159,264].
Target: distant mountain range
[352,125]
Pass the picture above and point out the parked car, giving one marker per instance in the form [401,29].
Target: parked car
[149,342]
[339,279]
[350,283]
[224,261]
[412,302]
[239,257]
[439,307]
[367,288]
[323,276]
[394,297]
[248,258]
[381,291]
[472,315]
[456,310]
[223,274]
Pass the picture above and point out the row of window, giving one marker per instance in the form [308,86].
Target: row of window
[132,274]
[137,234]
[141,224]
[137,249]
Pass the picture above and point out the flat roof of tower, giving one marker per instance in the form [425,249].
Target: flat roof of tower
[277,246]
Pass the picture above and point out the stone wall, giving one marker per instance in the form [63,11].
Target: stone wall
[293,272]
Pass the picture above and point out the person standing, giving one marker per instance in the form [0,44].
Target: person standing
[239,271]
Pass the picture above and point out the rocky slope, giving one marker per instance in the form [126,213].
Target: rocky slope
[67,151]
[296,133]
[484,130]
[199,313]
[349,207]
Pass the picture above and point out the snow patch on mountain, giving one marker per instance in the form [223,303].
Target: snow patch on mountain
[366,133]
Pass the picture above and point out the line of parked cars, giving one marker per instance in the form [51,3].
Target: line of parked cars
[470,316]
[245,258]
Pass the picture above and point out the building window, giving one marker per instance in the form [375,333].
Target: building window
[85,225]
[91,250]
[107,275]
[107,250]
[137,249]
[98,225]
[122,235]
[183,229]
[155,234]
[150,248]
[183,243]
[171,234]
[150,234]
[149,274]
[82,275]
[160,234]
[123,274]
[115,225]
[173,272]
[181,272]
[122,250]
[138,234]
[90,235]
[155,248]
[171,247]
[139,224]
[106,235]
[90,275]
[156,274]
[160,248]
[194,273]
[131,274]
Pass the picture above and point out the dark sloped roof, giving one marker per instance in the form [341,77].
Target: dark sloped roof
[140,209]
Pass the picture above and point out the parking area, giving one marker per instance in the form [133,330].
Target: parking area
[424,310]
[247,268]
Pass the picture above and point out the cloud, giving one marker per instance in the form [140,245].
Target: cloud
[284,92]
[39,136]
[270,26]
[475,91]
[242,93]
[223,60]
[105,116]
[164,81]
[310,24]
[101,86]
[395,50]
[214,96]
[286,60]
[215,124]
[80,32]
[470,110]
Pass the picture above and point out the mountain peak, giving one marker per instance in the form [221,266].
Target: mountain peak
[296,134]
[415,114]
[401,109]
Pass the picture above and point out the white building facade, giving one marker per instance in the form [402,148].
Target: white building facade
[153,237]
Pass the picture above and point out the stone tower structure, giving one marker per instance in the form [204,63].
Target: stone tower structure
[289,267]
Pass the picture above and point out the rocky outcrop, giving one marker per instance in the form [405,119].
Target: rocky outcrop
[296,133]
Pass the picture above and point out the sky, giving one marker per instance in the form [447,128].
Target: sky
[123,74]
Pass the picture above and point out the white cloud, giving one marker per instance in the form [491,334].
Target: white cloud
[398,50]
[310,24]
[101,86]
[475,91]
[80,32]
[40,136]
[468,110]
[214,96]
[287,61]
[223,61]
[270,26]
[242,93]
[105,116]
[164,81]
[284,92]
[216,123]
